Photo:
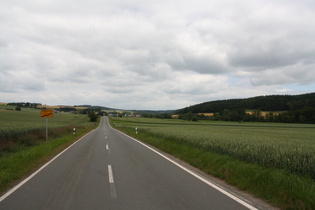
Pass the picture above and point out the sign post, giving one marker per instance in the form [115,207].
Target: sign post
[46,113]
[46,129]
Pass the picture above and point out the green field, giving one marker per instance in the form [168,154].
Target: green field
[283,146]
[26,128]
[24,120]
[274,161]
[30,118]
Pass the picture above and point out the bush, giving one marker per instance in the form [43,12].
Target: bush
[93,117]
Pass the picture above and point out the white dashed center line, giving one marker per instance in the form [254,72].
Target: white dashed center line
[111,182]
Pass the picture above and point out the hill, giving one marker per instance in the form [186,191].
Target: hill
[295,108]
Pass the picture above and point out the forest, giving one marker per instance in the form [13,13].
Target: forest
[277,108]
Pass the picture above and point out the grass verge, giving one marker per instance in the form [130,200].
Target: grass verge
[14,166]
[278,187]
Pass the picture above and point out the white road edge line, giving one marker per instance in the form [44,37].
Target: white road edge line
[41,168]
[247,205]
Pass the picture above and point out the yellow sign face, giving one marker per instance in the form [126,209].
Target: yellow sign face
[46,113]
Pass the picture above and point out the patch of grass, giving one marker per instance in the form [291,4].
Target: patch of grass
[280,187]
[27,128]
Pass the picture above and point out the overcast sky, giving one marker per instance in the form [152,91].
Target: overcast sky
[158,55]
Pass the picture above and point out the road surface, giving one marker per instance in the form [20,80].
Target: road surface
[109,170]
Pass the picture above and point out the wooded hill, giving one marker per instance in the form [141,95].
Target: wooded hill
[295,108]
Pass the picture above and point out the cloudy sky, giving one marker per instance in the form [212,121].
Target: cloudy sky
[158,55]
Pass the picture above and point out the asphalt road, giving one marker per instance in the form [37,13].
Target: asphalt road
[109,170]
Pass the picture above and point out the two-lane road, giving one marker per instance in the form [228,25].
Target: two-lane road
[109,170]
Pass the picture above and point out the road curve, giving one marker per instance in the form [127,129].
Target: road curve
[109,170]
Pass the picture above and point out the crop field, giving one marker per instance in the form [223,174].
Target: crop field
[288,147]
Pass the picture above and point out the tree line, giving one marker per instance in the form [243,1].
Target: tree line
[24,104]
[281,108]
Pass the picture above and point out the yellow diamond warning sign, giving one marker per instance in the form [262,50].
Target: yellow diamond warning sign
[46,113]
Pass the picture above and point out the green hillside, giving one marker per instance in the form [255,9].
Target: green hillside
[295,108]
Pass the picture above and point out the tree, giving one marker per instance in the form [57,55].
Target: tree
[93,117]
[234,116]
[270,117]
[18,108]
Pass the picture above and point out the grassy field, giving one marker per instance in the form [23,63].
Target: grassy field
[14,124]
[30,118]
[274,161]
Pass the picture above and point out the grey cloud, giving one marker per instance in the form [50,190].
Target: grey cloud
[270,55]
[201,64]
[18,82]
[281,37]
[285,75]
[154,53]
